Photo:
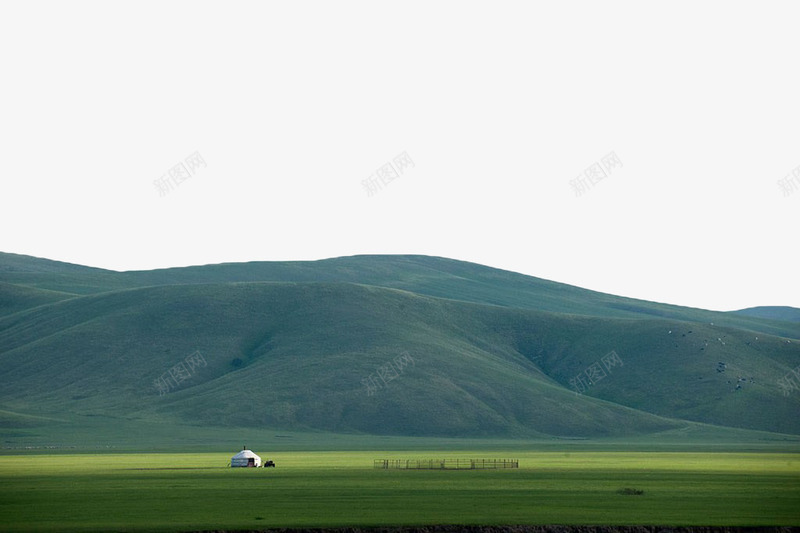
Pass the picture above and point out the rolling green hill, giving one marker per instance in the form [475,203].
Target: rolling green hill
[448,278]
[44,274]
[14,298]
[787,314]
[432,276]
[357,358]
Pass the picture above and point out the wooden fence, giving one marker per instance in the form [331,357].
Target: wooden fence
[445,464]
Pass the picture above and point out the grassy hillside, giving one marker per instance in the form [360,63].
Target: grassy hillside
[14,298]
[44,274]
[384,345]
[432,276]
[448,278]
[299,356]
[25,263]
[786,314]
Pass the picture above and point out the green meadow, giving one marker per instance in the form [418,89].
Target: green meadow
[619,411]
[169,491]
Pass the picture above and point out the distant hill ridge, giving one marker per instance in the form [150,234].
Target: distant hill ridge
[787,314]
[382,345]
[433,276]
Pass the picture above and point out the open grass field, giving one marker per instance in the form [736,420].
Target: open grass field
[197,491]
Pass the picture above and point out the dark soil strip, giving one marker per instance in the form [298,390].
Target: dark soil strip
[529,529]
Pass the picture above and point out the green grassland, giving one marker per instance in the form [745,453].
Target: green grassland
[196,491]
[81,435]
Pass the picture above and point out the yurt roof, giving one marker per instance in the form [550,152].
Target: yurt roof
[245,454]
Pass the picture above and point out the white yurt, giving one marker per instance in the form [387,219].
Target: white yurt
[246,458]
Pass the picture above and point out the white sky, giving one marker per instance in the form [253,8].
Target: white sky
[499,105]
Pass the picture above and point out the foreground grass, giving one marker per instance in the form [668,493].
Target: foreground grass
[196,491]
